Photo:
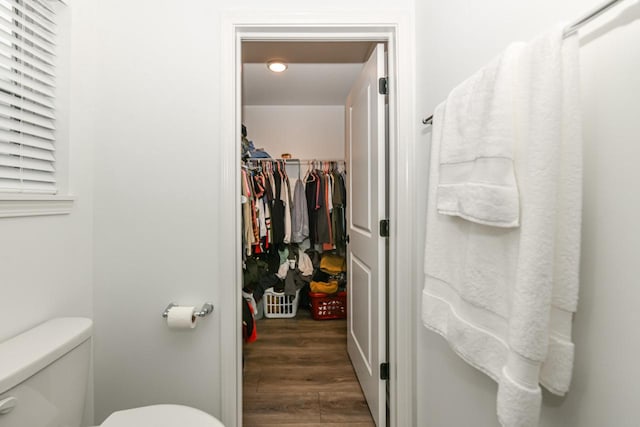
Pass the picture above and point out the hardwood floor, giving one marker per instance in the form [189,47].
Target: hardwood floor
[298,374]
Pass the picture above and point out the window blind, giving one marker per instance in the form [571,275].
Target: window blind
[27,96]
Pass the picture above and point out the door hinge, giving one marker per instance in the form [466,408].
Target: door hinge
[384,228]
[347,239]
[384,371]
[383,86]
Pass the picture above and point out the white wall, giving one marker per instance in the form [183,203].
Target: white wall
[157,182]
[155,204]
[305,131]
[46,262]
[453,40]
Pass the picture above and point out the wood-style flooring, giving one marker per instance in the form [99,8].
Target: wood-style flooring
[298,374]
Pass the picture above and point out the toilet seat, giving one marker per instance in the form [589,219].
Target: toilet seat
[161,416]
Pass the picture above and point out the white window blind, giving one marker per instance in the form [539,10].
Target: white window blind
[27,96]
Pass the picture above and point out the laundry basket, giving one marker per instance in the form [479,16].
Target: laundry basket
[328,306]
[278,305]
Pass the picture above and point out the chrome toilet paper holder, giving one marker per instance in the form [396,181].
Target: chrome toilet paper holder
[206,310]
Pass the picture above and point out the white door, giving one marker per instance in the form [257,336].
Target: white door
[366,256]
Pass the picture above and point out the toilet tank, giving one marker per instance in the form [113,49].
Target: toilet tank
[44,373]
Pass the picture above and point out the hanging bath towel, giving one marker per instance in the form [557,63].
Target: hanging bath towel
[477,180]
[504,297]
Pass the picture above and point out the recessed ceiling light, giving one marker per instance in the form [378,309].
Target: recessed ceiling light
[276,66]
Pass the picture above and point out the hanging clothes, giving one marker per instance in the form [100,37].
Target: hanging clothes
[338,216]
[277,208]
[329,245]
[275,213]
[326,206]
[312,190]
[299,214]
[248,236]
[286,199]
[324,216]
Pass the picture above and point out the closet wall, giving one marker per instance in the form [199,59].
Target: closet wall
[454,39]
[305,131]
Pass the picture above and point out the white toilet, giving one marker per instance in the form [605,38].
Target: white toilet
[43,382]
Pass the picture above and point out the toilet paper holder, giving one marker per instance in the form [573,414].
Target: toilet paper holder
[206,309]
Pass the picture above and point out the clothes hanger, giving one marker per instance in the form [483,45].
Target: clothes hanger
[310,176]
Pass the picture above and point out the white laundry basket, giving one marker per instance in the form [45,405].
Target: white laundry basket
[278,305]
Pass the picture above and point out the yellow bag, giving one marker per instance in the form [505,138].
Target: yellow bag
[324,287]
[332,264]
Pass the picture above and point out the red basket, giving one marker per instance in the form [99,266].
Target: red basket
[328,306]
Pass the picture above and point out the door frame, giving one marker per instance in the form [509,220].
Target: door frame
[396,29]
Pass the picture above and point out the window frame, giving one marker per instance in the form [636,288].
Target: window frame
[25,204]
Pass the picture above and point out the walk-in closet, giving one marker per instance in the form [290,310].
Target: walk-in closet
[313,182]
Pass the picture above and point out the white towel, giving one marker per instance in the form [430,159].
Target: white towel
[477,180]
[504,297]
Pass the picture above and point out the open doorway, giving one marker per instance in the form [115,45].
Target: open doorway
[314,195]
[241,27]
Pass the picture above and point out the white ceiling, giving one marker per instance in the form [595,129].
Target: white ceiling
[300,84]
[319,73]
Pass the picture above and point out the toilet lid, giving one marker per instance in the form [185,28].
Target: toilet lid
[161,416]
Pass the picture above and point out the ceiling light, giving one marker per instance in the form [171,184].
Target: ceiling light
[276,66]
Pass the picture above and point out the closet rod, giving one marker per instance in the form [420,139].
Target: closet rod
[586,18]
[295,160]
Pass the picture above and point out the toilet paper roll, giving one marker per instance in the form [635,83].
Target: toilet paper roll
[182,317]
